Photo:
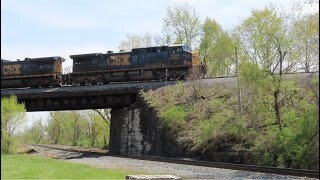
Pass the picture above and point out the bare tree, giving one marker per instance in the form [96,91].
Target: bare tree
[163,39]
[135,41]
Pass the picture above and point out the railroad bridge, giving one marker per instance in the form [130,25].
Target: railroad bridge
[133,128]
[134,125]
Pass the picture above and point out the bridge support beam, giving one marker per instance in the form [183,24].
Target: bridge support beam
[134,130]
[125,133]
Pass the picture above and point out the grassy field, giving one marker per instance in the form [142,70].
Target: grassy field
[31,167]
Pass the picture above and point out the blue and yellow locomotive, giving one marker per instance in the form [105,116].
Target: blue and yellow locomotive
[150,63]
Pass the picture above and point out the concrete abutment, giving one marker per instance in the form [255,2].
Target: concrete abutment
[135,130]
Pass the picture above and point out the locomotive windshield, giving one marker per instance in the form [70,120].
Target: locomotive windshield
[178,48]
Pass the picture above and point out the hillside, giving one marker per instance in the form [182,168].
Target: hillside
[204,119]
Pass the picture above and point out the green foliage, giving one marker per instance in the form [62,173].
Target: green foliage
[221,133]
[9,144]
[36,133]
[279,125]
[216,48]
[212,123]
[285,123]
[289,146]
[182,23]
[307,37]
[174,117]
[88,129]
[31,167]
[213,118]
[55,127]
[12,116]
[261,37]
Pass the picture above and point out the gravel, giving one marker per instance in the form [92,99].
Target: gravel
[185,171]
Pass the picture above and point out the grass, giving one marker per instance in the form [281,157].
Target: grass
[31,167]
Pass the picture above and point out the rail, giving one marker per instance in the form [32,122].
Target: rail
[242,167]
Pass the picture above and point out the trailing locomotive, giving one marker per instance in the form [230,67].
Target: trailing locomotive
[141,64]
[36,72]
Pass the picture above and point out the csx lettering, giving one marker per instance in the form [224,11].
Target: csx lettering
[119,60]
[12,69]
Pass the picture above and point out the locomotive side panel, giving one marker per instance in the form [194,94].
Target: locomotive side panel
[39,68]
[156,57]
[88,62]
[166,57]
[100,62]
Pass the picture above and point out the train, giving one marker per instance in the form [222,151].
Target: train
[172,62]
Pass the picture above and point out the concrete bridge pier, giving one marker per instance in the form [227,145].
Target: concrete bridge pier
[134,130]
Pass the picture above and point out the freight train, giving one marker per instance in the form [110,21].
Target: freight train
[172,62]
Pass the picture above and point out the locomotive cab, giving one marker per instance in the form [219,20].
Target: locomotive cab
[180,54]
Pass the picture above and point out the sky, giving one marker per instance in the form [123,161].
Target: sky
[39,28]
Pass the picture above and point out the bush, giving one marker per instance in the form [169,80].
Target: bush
[12,116]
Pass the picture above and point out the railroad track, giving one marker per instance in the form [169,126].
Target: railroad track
[242,167]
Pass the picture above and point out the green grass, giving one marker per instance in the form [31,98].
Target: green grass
[31,167]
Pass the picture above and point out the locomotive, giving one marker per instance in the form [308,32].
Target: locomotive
[35,72]
[140,64]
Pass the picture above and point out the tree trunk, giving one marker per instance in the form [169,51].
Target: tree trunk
[57,138]
[277,92]
[277,108]
[238,81]
[105,142]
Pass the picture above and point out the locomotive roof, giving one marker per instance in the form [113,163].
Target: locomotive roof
[85,55]
[53,58]
[174,45]
[3,60]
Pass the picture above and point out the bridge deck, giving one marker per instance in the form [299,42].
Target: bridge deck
[81,97]
[112,88]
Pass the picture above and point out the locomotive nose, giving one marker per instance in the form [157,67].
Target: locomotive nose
[195,58]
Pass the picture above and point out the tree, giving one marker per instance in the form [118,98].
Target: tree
[216,48]
[266,40]
[308,41]
[135,41]
[36,133]
[76,128]
[106,117]
[12,116]
[92,130]
[278,110]
[182,24]
[55,126]
[164,39]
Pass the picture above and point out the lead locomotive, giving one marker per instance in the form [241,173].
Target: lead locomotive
[141,64]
